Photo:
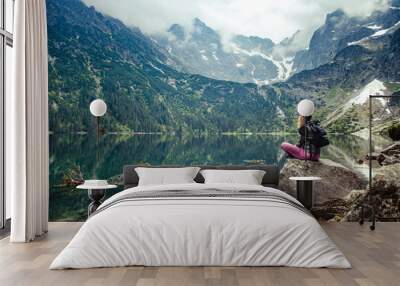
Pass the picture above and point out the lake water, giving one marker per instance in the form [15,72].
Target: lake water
[73,154]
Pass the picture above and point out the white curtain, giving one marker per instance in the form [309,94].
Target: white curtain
[27,155]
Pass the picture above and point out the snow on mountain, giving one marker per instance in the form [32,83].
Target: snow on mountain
[252,59]
[341,30]
[156,68]
[375,87]
[287,67]
[359,42]
[373,27]
[380,32]
[244,59]
[280,112]
[284,65]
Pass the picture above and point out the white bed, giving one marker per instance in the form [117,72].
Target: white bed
[202,231]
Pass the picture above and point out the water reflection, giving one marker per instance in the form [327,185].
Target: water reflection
[71,154]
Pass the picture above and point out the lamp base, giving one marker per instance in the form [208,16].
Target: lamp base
[96,197]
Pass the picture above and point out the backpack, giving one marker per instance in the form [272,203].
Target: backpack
[318,134]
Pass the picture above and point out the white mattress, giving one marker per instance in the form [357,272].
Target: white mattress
[202,232]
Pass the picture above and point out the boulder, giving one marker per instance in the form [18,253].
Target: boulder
[392,149]
[388,156]
[341,192]
[385,192]
[117,180]
[353,203]
[394,131]
[337,181]
[334,209]
[386,179]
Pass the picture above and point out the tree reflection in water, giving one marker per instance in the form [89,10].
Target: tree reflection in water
[69,152]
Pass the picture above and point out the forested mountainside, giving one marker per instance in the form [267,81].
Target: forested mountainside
[92,55]
[146,88]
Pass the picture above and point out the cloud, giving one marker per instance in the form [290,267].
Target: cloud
[265,18]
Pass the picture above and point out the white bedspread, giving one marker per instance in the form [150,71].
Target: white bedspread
[200,231]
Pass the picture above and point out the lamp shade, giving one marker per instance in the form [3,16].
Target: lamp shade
[305,107]
[98,107]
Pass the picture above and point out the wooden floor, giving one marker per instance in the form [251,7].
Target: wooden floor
[375,257]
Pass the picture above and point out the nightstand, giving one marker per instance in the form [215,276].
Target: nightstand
[304,187]
[96,194]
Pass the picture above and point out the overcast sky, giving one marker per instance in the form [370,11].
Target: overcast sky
[275,19]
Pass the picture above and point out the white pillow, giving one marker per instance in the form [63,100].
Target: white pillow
[248,177]
[166,176]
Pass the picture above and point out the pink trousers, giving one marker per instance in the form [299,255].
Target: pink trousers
[298,153]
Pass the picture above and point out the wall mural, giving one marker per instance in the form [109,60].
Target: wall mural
[189,95]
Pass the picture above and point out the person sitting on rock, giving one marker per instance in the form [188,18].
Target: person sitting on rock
[316,138]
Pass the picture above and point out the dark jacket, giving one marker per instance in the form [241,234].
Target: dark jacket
[311,147]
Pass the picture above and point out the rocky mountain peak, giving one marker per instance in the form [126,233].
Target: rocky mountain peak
[199,23]
[394,3]
[340,30]
[178,31]
[204,34]
[244,59]
[289,40]
[335,17]
[254,43]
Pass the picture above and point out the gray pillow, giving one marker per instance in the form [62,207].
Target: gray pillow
[166,176]
[246,177]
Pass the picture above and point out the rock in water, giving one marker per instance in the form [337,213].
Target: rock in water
[337,181]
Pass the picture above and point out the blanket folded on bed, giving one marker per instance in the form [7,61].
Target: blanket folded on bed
[206,193]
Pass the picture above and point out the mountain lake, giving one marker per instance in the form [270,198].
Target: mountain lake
[81,156]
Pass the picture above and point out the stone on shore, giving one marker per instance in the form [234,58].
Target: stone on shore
[337,181]
[386,191]
[388,156]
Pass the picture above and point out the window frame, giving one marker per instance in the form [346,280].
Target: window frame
[6,39]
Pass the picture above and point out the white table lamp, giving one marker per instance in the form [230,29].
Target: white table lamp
[98,107]
[305,107]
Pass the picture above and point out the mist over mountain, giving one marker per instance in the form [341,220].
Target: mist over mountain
[193,80]
[245,59]
[339,31]
[262,18]
[252,59]
[95,56]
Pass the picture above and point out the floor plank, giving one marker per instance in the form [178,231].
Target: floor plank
[375,257]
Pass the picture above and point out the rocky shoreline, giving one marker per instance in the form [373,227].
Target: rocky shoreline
[336,182]
[341,193]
